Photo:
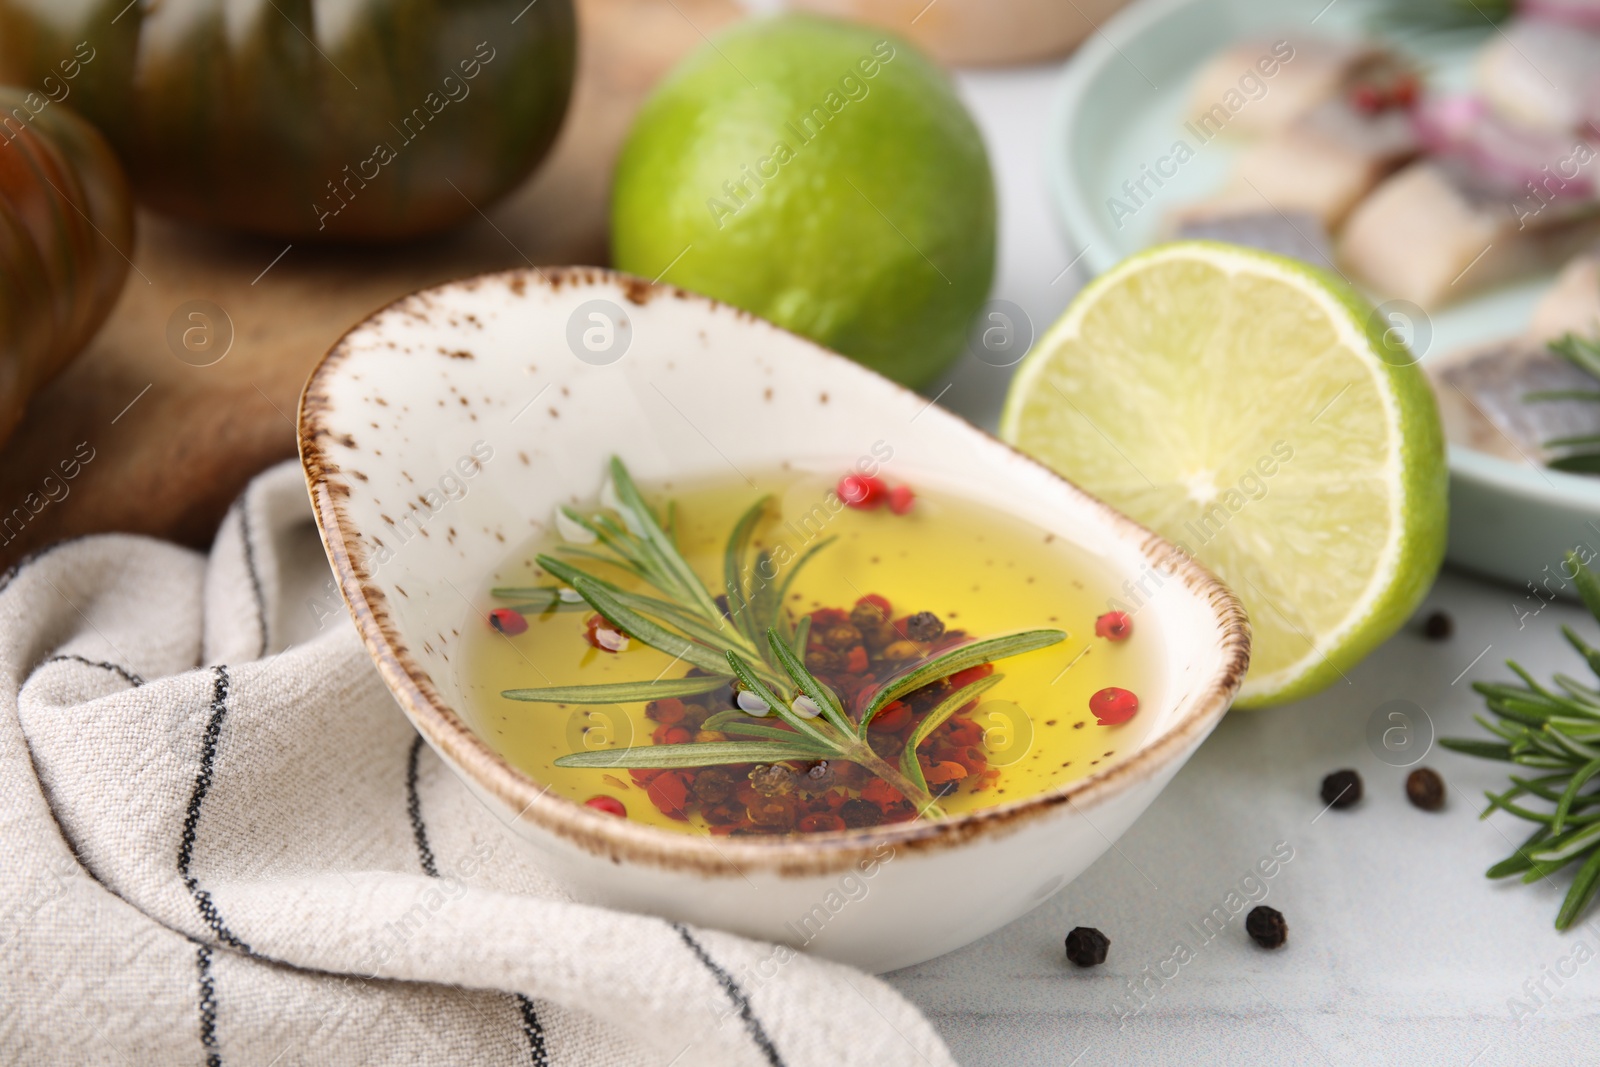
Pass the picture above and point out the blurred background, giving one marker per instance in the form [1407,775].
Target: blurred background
[191,387]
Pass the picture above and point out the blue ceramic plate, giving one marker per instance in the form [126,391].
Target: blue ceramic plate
[1121,108]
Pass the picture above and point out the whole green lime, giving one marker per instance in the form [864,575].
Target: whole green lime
[822,175]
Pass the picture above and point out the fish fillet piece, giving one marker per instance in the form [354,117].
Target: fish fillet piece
[1482,399]
[1296,235]
[1235,93]
[1321,165]
[1573,303]
[1437,231]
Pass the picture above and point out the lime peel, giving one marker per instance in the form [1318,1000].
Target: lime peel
[1253,410]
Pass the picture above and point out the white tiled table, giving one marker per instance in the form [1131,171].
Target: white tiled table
[1400,951]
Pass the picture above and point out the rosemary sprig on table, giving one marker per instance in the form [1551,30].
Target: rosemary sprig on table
[1555,732]
[1583,354]
[754,646]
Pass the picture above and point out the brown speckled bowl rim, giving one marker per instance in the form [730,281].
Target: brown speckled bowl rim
[622,841]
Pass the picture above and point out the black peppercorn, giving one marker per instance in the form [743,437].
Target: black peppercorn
[1266,927]
[1341,789]
[1425,789]
[1087,946]
[858,814]
[1438,627]
[924,626]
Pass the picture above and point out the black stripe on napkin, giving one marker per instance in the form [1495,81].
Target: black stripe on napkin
[127,675]
[534,1031]
[250,566]
[208,1007]
[538,1054]
[414,809]
[191,820]
[758,1033]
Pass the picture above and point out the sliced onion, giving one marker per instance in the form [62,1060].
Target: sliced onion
[1585,13]
[1464,127]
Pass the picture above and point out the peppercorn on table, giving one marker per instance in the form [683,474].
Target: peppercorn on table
[1398,949]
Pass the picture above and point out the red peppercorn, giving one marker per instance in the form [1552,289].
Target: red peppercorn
[881,793]
[879,602]
[892,717]
[964,732]
[821,822]
[901,499]
[902,812]
[1112,706]
[825,618]
[645,775]
[609,805]
[602,635]
[971,758]
[856,662]
[508,621]
[970,675]
[672,735]
[669,792]
[1366,99]
[668,711]
[946,771]
[1404,93]
[853,689]
[1113,626]
[860,491]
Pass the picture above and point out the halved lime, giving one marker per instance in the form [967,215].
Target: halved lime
[1258,413]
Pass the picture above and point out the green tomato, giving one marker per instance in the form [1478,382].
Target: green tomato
[307,119]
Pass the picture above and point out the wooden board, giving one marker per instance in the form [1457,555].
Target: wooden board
[172,443]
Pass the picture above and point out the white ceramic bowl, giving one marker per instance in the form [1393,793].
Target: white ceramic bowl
[394,410]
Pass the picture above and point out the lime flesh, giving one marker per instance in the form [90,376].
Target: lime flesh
[1253,411]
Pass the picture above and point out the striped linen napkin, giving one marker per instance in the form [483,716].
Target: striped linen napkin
[224,844]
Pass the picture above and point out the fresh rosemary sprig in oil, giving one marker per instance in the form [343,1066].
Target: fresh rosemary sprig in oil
[754,645]
[1554,731]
